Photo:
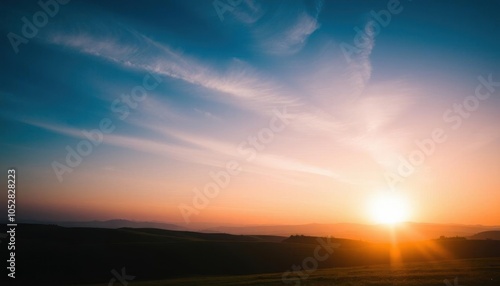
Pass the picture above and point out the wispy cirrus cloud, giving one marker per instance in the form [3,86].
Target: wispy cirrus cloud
[292,39]
[284,38]
[360,68]
[239,84]
[177,152]
[263,159]
[197,153]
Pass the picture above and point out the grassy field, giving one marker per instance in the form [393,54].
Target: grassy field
[470,272]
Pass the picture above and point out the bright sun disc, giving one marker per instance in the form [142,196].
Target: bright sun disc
[389,208]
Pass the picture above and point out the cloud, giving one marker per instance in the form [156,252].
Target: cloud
[115,43]
[239,84]
[293,39]
[360,69]
[197,153]
[283,37]
[180,153]
[219,147]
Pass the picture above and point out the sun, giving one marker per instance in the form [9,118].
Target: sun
[389,208]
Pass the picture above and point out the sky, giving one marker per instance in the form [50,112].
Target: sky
[251,112]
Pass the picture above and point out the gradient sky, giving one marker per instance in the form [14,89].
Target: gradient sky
[221,79]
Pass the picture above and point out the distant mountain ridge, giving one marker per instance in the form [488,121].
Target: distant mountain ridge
[114,223]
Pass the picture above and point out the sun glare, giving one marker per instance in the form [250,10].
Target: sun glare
[389,208]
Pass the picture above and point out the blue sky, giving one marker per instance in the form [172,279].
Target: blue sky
[221,81]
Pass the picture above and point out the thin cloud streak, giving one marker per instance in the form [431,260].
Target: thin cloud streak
[194,155]
[263,159]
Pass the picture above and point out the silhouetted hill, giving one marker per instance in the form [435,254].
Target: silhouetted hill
[56,233]
[494,234]
[55,255]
